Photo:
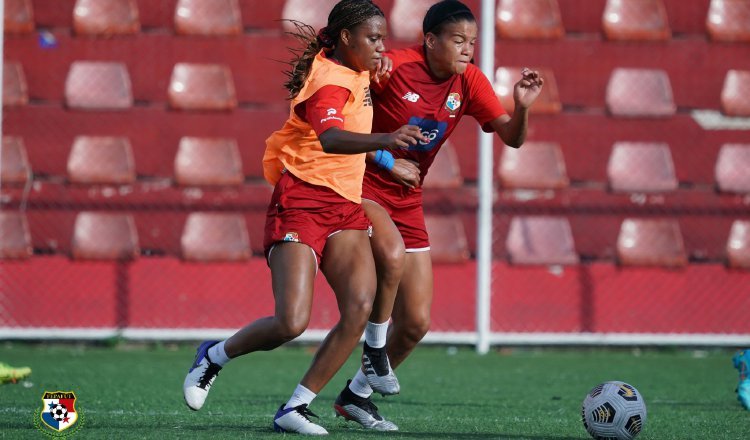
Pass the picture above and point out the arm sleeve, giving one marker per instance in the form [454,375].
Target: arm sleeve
[323,110]
[484,105]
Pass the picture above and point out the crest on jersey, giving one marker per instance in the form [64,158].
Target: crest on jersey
[453,102]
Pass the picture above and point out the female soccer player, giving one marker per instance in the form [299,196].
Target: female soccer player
[432,86]
[315,218]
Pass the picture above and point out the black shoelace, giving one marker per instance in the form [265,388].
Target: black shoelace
[305,412]
[211,371]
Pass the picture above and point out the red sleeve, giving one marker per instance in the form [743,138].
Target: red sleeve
[484,105]
[323,109]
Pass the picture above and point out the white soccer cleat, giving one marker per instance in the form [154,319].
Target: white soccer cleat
[200,377]
[378,371]
[297,420]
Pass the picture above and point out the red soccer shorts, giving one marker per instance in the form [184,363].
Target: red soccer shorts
[305,213]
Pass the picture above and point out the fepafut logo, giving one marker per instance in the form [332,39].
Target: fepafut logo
[60,415]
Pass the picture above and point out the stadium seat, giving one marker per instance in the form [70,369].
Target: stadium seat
[445,171]
[208,161]
[536,165]
[402,22]
[732,167]
[104,236]
[202,87]
[100,159]
[729,20]
[97,85]
[15,163]
[15,92]
[208,17]
[529,19]
[641,167]
[735,96]
[640,93]
[212,236]
[540,240]
[15,239]
[548,101]
[19,17]
[636,20]
[448,243]
[648,242]
[106,17]
[310,12]
[738,245]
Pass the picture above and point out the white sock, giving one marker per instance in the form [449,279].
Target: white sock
[300,396]
[218,355]
[375,334]
[359,385]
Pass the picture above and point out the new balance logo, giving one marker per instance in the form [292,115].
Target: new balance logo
[411,97]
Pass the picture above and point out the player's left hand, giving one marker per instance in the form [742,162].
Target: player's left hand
[385,67]
[528,88]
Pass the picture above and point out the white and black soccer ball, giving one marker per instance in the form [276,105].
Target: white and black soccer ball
[59,412]
[614,411]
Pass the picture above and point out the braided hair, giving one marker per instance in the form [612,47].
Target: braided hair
[347,14]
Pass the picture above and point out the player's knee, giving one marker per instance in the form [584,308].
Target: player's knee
[392,262]
[417,328]
[357,311]
[289,328]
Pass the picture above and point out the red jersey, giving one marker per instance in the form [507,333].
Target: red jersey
[414,96]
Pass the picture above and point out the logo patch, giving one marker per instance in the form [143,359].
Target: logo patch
[292,236]
[58,414]
[411,97]
[434,131]
[453,102]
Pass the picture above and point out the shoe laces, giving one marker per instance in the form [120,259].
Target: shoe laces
[305,412]
[212,370]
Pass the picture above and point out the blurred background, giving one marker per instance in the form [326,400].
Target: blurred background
[132,201]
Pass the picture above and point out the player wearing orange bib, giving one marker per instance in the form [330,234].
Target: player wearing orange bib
[315,218]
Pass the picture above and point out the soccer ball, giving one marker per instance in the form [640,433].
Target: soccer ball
[613,411]
[59,412]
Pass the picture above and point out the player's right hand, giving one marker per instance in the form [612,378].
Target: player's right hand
[406,172]
[406,136]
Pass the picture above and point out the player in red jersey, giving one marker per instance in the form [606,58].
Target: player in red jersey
[431,86]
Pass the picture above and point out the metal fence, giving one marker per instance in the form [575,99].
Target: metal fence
[132,200]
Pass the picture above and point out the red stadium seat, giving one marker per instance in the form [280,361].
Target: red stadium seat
[310,12]
[15,163]
[732,167]
[106,17]
[448,243]
[548,101]
[536,165]
[15,239]
[104,236]
[19,17]
[529,19]
[202,87]
[101,159]
[646,242]
[211,236]
[641,167]
[403,20]
[445,171]
[208,17]
[738,245]
[15,92]
[208,161]
[636,20]
[540,240]
[640,93]
[735,96]
[729,20]
[97,85]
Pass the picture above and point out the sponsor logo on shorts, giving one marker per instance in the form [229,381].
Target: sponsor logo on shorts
[291,236]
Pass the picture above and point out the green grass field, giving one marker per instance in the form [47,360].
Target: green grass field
[129,392]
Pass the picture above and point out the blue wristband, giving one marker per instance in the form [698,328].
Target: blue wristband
[384,159]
